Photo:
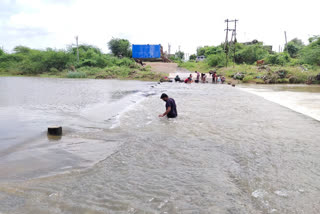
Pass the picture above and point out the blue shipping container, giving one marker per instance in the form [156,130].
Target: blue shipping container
[146,51]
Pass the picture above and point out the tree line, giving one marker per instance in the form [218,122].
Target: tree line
[295,53]
[25,60]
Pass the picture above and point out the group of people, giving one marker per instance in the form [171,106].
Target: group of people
[218,79]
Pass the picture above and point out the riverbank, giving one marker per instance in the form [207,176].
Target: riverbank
[264,74]
[135,72]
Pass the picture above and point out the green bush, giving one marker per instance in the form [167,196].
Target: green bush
[293,47]
[192,57]
[76,74]
[283,81]
[217,60]
[249,54]
[90,71]
[247,79]
[278,59]
[311,53]
[125,62]
[54,71]
[2,52]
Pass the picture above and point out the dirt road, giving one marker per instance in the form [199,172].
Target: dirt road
[163,67]
[171,69]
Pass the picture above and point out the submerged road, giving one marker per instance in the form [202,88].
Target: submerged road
[228,151]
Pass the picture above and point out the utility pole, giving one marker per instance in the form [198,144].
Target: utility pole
[233,40]
[77,48]
[285,36]
[226,42]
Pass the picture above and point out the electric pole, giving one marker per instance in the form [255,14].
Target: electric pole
[77,48]
[285,36]
[232,41]
[226,42]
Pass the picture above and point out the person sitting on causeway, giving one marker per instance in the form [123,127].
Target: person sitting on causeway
[189,79]
[177,79]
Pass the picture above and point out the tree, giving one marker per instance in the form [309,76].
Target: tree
[193,57]
[313,38]
[179,55]
[22,49]
[2,52]
[293,47]
[120,47]
[310,54]
[201,51]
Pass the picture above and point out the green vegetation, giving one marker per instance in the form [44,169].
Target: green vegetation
[179,55]
[120,47]
[193,57]
[63,63]
[299,63]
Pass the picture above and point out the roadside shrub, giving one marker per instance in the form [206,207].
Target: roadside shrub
[192,57]
[217,60]
[2,52]
[278,59]
[247,79]
[54,71]
[189,65]
[55,59]
[293,79]
[90,70]
[250,54]
[125,62]
[282,81]
[76,74]
[293,47]
[311,53]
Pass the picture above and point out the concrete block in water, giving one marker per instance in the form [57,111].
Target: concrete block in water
[55,130]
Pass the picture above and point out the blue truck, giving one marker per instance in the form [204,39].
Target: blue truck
[146,51]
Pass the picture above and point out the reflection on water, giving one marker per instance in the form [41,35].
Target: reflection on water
[229,151]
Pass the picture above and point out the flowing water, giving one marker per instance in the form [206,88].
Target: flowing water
[229,151]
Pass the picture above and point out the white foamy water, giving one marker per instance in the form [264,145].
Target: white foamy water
[304,99]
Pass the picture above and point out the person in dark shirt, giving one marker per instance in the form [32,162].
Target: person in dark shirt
[171,108]
[177,79]
[198,76]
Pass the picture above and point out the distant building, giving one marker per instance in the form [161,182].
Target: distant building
[200,58]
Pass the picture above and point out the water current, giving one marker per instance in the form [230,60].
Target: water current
[229,151]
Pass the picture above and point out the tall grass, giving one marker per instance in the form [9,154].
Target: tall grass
[76,74]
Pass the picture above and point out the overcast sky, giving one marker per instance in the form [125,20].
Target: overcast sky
[189,24]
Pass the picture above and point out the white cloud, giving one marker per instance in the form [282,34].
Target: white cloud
[185,23]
